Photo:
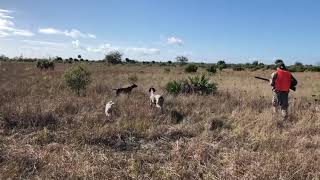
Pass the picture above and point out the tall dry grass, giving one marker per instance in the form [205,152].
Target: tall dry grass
[49,132]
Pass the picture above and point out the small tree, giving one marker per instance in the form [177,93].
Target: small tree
[191,68]
[212,69]
[298,64]
[77,78]
[4,58]
[58,59]
[221,65]
[113,57]
[255,63]
[182,59]
[79,56]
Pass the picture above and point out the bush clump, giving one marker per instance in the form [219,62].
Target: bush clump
[174,87]
[113,57]
[45,64]
[191,68]
[314,69]
[77,78]
[237,68]
[212,69]
[196,84]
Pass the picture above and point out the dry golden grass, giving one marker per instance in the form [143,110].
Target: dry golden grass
[47,132]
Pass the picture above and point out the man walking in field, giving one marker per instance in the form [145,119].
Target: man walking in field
[281,81]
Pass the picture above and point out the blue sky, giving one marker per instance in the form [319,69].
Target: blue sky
[205,31]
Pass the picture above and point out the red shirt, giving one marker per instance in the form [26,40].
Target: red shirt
[283,80]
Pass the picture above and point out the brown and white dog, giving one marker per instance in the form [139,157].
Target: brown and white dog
[125,90]
[108,108]
[156,99]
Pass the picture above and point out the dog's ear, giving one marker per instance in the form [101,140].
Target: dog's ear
[152,89]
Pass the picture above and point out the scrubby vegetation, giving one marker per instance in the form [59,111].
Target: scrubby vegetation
[48,132]
[114,57]
[45,64]
[191,68]
[196,84]
[77,78]
[182,60]
[212,69]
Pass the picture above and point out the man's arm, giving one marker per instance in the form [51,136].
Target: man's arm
[273,79]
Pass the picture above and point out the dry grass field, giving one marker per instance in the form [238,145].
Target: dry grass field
[48,132]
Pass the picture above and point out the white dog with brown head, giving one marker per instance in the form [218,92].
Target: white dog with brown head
[156,99]
[108,108]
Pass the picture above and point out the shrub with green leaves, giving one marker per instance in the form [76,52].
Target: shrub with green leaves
[295,68]
[45,64]
[212,69]
[221,65]
[201,84]
[191,68]
[174,87]
[237,68]
[314,68]
[113,57]
[196,84]
[77,78]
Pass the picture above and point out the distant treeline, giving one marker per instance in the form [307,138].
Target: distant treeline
[116,58]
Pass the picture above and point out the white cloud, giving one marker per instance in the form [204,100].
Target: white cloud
[92,36]
[103,48]
[143,51]
[5,15]
[76,43]
[49,31]
[174,40]
[22,33]
[5,11]
[7,26]
[74,33]
[46,43]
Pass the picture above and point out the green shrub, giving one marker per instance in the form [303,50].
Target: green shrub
[201,84]
[191,68]
[77,78]
[237,68]
[45,64]
[295,68]
[212,69]
[196,84]
[182,60]
[221,65]
[314,69]
[173,87]
[113,57]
